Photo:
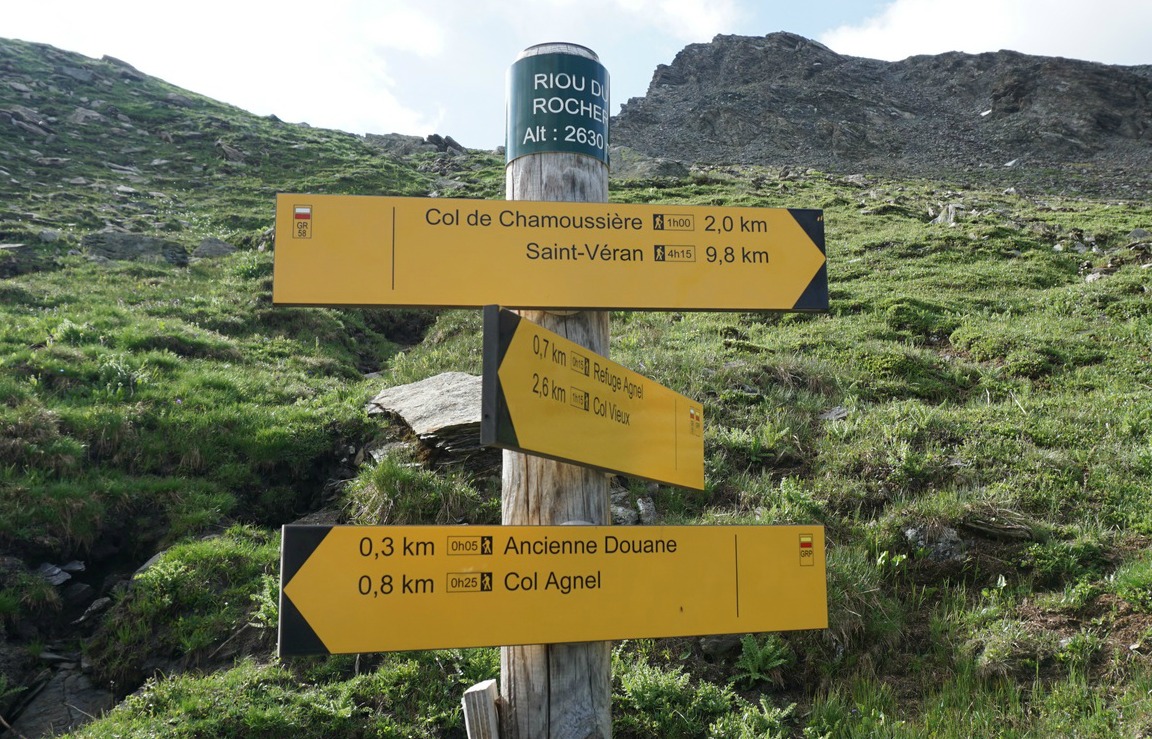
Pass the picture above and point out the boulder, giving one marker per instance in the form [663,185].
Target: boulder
[134,248]
[444,414]
[66,702]
[629,164]
[211,247]
[399,144]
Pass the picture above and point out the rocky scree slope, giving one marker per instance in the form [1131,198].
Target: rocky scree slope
[786,100]
[97,145]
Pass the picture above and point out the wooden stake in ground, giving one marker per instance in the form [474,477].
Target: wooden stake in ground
[559,691]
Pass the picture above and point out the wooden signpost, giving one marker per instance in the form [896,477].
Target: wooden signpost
[564,413]
[553,690]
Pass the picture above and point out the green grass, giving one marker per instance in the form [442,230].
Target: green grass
[974,374]
[403,695]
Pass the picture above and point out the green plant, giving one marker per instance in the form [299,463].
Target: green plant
[1132,581]
[397,490]
[762,660]
[266,614]
[1078,650]
[652,701]
[866,709]
[187,601]
[748,721]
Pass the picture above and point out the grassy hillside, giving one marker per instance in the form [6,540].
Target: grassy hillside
[971,421]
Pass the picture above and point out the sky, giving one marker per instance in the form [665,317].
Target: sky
[438,66]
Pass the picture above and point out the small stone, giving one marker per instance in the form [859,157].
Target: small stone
[721,646]
[80,75]
[949,215]
[838,413]
[623,515]
[97,607]
[53,574]
[134,247]
[647,508]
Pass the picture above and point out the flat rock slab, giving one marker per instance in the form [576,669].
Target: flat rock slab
[430,406]
[134,248]
[444,414]
[68,701]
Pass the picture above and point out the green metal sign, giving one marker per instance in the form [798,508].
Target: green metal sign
[557,102]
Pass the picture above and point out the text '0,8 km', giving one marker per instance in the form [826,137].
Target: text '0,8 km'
[383,588]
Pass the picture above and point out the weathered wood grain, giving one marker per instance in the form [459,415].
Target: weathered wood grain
[561,691]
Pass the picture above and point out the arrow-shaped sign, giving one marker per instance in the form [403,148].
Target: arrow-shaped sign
[547,395]
[351,589]
[387,251]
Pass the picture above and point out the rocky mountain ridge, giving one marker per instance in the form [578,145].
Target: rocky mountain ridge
[785,100]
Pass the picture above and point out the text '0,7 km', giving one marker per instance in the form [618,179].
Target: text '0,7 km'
[385,251]
[348,589]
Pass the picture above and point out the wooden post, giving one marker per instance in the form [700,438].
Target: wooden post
[481,719]
[557,691]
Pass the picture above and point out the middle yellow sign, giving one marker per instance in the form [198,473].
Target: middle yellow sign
[549,396]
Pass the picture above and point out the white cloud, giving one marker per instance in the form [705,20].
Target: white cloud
[687,20]
[400,27]
[1111,31]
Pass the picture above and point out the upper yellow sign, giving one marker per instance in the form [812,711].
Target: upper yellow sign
[388,588]
[386,251]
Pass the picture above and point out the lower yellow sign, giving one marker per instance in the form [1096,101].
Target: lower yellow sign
[347,589]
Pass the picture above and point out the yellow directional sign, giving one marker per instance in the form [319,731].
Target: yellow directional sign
[550,396]
[351,589]
[388,251]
